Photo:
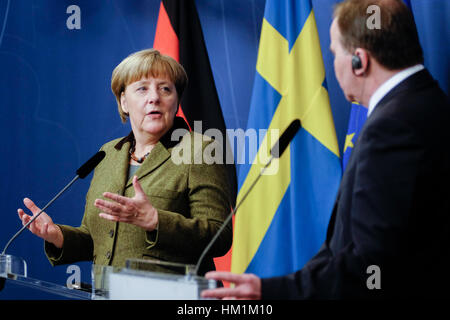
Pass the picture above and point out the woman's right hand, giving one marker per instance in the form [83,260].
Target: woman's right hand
[43,226]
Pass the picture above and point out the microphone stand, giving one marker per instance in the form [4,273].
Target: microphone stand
[227,220]
[82,172]
[39,213]
[7,261]
[276,152]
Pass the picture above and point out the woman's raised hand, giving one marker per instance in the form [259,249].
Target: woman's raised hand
[136,210]
[43,226]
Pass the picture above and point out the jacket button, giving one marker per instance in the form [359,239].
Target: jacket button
[111,233]
[108,255]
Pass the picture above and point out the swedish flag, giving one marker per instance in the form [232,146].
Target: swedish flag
[283,221]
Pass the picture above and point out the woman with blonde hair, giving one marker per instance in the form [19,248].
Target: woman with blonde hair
[140,204]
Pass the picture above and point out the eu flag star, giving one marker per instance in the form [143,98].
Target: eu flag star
[349,141]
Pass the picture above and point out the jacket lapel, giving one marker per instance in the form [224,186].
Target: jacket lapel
[159,154]
[156,158]
[120,162]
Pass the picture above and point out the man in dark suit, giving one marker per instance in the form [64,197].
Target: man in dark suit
[389,233]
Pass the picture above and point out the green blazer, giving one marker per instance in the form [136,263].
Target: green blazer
[192,199]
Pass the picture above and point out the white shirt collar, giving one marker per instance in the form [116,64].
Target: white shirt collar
[390,84]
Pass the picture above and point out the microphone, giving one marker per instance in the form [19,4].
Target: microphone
[276,152]
[288,134]
[82,172]
[89,165]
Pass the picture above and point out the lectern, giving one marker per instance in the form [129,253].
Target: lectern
[133,282]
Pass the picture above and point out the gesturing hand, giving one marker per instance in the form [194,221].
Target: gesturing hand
[137,210]
[43,226]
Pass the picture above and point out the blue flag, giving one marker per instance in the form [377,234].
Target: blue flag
[358,115]
[408,3]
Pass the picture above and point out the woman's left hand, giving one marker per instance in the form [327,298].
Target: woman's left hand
[137,210]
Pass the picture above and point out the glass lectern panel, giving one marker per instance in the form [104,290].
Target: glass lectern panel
[134,282]
[14,269]
[171,281]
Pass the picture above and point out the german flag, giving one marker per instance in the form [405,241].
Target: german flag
[179,34]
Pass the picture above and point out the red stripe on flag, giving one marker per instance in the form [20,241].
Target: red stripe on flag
[179,34]
[180,113]
[166,40]
[224,263]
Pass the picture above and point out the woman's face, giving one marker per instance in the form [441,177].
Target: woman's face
[151,104]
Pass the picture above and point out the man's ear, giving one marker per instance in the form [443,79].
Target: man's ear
[363,64]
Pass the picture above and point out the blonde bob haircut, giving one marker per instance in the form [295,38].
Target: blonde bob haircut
[146,63]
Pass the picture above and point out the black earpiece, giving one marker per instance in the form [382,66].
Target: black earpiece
[356,62]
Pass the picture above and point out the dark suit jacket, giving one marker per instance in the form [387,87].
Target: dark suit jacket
[392,208]
[192,199]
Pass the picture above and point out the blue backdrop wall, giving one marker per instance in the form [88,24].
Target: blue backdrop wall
[57,108]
